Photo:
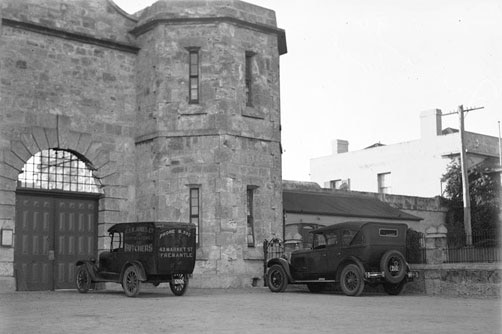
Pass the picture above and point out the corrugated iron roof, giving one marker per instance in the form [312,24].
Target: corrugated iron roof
[339,204]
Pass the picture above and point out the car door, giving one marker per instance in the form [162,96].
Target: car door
[341,249]
[334,251]
[317,261]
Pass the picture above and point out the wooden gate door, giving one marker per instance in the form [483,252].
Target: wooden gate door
[34,236]
[75,237]
[52,233]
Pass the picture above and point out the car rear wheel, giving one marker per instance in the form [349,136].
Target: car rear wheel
[351,280]
[83,279]
[277,279]
[179,284]
[131,282]
[394,289]
[393,265]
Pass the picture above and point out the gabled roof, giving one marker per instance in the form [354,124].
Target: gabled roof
[341,204]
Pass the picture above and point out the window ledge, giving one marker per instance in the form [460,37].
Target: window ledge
[253,112]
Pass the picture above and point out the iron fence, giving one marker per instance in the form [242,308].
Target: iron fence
[415,247]
[486,247]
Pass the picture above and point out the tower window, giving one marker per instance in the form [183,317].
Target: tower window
[195,212]
[250,216]
[194,76]
[249,78]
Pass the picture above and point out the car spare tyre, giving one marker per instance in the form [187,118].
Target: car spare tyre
[393,265]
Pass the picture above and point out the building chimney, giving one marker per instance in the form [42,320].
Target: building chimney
[340,146]
[430,123]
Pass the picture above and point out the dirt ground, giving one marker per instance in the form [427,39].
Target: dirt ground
[256,310]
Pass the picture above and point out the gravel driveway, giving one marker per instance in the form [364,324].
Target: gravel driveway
[255,310]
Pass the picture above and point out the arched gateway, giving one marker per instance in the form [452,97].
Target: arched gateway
[56,219]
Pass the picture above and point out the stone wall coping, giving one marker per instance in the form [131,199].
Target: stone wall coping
[153,22]
[78,37]
[199,133]
[458,266]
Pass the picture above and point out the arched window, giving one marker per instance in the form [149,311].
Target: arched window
[58,170]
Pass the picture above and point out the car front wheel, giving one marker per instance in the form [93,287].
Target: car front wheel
[83,279]
[131,282]
[277,279]
[179,284]
[351,280]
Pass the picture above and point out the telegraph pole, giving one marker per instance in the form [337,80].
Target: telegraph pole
[465,180]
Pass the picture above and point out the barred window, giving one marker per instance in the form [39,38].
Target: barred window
[194,75]
[250,216]
[249,77]
[195,212]
[58,170]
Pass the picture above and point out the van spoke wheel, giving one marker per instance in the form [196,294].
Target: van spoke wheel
[351,280]
[83,279]
[179,284]
[131,282]
[393,266]
[277,279]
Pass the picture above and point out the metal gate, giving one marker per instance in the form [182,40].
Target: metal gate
[52,233]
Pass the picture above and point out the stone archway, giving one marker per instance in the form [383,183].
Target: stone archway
[27,143]
[56,219]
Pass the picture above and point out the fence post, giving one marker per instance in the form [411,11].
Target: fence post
[435,244]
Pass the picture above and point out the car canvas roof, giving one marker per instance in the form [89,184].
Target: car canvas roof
[354,225]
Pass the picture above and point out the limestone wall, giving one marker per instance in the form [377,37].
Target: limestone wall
[458,279]
[86,77]
[220,145]
[67,82]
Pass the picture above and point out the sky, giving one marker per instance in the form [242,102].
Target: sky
[363,70]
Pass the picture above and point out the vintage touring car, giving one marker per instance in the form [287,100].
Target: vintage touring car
[351,254]
[152,252]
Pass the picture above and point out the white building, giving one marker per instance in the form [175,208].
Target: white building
[410,168]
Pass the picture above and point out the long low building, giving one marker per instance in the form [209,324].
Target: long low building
[308,210]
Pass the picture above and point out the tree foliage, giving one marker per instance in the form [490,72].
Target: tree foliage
[484,200]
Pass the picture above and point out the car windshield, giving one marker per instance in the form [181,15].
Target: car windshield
[116,241]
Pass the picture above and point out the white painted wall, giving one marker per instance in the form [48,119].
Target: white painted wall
[416,167]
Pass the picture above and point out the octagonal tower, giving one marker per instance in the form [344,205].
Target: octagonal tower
[208,142]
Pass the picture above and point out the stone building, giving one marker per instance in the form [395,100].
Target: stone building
[172,114]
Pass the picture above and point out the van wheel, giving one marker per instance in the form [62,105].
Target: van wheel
[83,279]
[393,265]
[277,279]
[179,284]
[351,280]
[131,282]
